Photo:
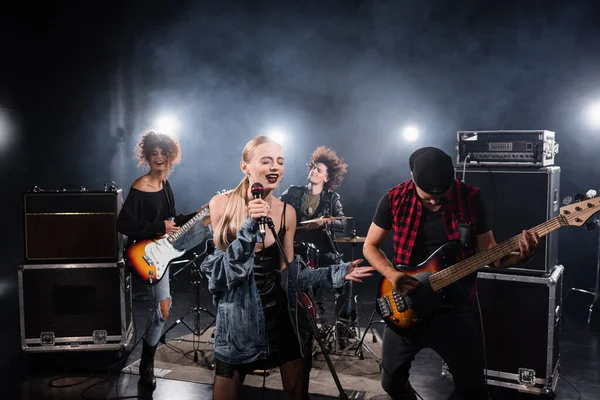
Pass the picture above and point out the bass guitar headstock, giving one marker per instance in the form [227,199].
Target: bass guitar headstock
[579,209]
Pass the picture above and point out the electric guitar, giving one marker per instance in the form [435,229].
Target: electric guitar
[149,259]
[402,313]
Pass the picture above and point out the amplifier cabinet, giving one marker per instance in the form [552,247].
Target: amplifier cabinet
[72,227]
[517,199]
[521,324]
[75,307]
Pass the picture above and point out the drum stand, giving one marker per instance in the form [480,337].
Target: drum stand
[361,343]
[350,325]
[352,328]
[196,277]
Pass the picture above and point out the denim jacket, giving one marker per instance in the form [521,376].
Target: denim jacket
[240,334]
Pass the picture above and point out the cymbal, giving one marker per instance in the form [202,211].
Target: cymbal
[351,239]
[326,219]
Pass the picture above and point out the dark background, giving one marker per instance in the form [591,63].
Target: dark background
[77,77]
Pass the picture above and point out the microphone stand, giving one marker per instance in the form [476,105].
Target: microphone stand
[331,237]
[595,291]
[304,306]
[337,308]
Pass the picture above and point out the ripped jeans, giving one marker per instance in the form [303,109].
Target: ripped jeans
[155,323]
[162,290]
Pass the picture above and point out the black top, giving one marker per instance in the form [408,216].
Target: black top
[143,214]
[267,262]
[431,235]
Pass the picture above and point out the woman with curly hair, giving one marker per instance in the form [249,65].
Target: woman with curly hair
[258,323]
[149,212]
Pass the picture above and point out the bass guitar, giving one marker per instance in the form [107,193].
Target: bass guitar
[402,313]
[149,259]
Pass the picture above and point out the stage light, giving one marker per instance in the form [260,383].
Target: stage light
[4,135]
[5,289]
[277,134]
[593,115]
[166,124]
[411,133]
[7,128]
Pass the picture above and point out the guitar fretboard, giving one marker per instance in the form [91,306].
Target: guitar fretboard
[451,274]
[188,225]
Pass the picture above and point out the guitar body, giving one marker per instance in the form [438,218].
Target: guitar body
[402,313]
[149,259]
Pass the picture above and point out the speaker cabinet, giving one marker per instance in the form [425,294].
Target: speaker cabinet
[74,306]
[521,318]
[72,227]
[517,199]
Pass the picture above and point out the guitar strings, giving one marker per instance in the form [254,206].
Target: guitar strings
[444,277]
[447,276]
[203,213]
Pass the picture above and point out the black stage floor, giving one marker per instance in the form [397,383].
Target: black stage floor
[28,376]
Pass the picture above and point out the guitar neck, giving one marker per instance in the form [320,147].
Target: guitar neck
[451,274]
[188,225]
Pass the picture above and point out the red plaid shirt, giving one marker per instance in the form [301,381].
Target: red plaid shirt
[458,207]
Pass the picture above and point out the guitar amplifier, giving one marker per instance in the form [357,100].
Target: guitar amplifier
[521,318]
[72,226]
[519,148]
[518,199]
[70,307]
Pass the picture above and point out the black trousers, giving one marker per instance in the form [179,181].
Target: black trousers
[455,336]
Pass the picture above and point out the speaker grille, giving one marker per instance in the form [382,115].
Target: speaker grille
[72,227]
[63,237]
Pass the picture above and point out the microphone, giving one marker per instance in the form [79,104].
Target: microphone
[258,191]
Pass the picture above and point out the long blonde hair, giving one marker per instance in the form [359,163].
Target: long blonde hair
[234,215]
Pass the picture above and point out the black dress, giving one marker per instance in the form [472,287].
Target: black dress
[282,340]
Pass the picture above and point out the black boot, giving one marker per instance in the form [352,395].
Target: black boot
[147,377]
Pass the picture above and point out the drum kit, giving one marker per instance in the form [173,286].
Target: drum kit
[343,334]
[310,253]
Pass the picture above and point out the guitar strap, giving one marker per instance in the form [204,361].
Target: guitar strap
[464,233]
[463,222]
[170,198]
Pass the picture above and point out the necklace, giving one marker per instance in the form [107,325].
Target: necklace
[310,203]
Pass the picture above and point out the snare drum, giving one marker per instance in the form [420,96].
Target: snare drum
[308,252]
[309,304]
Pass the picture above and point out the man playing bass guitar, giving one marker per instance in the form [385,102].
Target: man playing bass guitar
[424,213]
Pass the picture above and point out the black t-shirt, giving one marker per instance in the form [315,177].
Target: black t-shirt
[431,235]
